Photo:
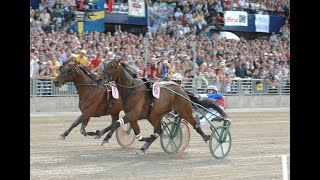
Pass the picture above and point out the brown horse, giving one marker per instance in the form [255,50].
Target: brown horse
[92,100]
[137,101]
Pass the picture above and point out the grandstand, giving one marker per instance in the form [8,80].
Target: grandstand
[160,34]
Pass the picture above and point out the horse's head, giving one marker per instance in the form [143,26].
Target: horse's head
[110,72]
[67,74]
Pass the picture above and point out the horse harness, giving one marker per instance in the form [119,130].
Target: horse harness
[110,100]
[132,89]
[149,85]
[148,91]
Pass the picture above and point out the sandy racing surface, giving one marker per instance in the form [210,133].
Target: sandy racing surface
[259,138]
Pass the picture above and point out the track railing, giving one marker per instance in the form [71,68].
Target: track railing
[236,87]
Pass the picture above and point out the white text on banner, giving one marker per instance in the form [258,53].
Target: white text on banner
[236,18]
[137,8]
[262,23]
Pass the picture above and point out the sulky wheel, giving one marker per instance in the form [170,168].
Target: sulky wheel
[125,135]
[171,137]
[185,135]
[220,142]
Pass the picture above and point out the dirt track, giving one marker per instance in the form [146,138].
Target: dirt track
[259,138]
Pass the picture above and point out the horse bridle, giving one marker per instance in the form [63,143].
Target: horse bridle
[73,68]
[105,73]
[109,77]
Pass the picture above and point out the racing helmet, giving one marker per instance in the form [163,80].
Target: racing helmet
[212,88]
[177,77]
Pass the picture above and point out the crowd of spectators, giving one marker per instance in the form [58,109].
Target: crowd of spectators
[217,58]
[195,15]
[52,15]
[269,7]
[169,52]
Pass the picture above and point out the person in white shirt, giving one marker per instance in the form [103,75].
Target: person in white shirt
[178,15]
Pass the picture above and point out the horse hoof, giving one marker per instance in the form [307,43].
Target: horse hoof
[83,132]
[207,138]
[61,137]
[141,152]
[104,142]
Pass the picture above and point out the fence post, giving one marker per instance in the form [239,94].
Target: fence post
[146,41]
[193,44]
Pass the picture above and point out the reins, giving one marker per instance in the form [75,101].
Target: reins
[129,87]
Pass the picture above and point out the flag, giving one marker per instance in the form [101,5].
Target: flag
[110,4]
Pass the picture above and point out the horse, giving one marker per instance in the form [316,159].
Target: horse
[93,100]
[137,101]
[205,102]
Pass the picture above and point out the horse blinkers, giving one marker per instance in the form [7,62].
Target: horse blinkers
[109,76]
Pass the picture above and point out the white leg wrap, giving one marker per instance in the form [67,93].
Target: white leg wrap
[139,136]
[121,121]
[156,135]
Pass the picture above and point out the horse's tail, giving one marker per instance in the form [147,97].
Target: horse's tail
[207,103]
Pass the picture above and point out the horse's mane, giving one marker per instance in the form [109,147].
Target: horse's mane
[88,73]
[131,71]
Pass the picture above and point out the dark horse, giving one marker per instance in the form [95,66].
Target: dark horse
[93,100]
[137,101]
[205,102]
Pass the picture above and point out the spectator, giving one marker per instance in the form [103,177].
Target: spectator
[240,70]
[285,29]
[38,25]
[42,5]
[81,58]
[273,37]
[165,69]
[32,21]
[228,5]
[219,8]
[55,66]
[46,20]
[231,70]
[95,64]
[200,20]
[178,14]
[219,22]
[46,72]
[256,74]
[159,73]
[200,78]
[209,74]
[32,66]
[150,71]
[283,74]
[272,78]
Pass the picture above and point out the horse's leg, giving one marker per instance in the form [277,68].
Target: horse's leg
[108,128]
[136,129]
[121,121]
[131,116]
[84,125]
[186,113]
[73,125]
[155,121]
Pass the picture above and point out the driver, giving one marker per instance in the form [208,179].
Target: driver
[177,78]
[212,93]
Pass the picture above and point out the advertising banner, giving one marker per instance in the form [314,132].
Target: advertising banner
[137,8]
[262,23]
[236,18]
